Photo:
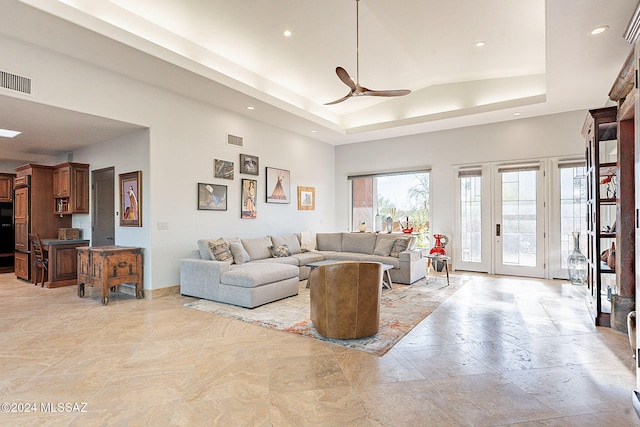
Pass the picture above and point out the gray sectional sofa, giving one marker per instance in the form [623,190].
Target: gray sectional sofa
[255,276]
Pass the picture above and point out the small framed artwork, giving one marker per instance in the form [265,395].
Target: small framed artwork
[278,186]
[306,198]
[131,199]
[248,197]
[212,197]
[222,169]
[249,164]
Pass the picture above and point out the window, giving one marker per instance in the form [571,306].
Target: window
[401,196]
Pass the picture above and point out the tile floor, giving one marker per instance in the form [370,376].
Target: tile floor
[501,351]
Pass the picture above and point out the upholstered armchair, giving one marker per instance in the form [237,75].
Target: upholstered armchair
[345,299]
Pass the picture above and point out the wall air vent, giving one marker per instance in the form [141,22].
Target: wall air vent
[236,141]
[15,82]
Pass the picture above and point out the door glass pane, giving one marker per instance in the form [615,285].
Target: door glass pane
[573,210]
[471,218]
[519,218]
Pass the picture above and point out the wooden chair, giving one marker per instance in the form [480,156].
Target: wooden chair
[39,260]
[345,299]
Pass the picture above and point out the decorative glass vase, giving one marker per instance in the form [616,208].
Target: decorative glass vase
[438,248]
[577,262]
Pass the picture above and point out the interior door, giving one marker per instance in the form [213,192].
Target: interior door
[519,220]
[103,212]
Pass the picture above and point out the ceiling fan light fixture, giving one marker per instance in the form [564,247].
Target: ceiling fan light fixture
[354,84]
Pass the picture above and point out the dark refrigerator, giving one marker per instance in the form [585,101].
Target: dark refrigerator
[6,237]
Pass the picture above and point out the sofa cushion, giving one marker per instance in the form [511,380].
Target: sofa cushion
[240,256]
[258,274]
[203,248]
[291,260]
[307,257]
[308,241]
[383,247]
[257,248]
[219,250]
[329,241]
[289,240]
[400,245]
[362,243]
[280,251]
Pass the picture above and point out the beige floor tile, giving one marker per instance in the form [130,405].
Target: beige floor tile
[500,351]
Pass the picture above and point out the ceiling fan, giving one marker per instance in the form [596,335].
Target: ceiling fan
[356,89]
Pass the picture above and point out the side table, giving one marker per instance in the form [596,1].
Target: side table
[108,267]
[436,260]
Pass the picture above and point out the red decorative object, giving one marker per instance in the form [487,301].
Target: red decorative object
[439,247]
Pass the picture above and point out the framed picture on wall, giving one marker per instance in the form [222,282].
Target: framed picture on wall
[131,199]
[248,197]
[222,169]
[306,198]
[249,164]
[278,186]
[212,197]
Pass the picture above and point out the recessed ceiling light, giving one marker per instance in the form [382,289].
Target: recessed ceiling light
[286,33]
[517,113]
[313,131]
[480,44]
[6,133]
[599,30]
[250,107]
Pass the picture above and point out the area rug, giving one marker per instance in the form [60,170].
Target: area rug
[401,309]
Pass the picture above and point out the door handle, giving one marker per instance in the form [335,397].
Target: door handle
[110,238]
[497,230]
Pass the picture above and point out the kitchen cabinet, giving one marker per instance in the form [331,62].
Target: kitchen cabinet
[6,187]
[33,215]
[71,188]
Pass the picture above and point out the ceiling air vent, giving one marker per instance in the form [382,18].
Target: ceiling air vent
[236,141]
[15,82]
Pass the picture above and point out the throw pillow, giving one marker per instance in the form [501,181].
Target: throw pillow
[219,250]
[308,241]
[280,251]
[383,247]
[412,243]
[398,246]
[240,256]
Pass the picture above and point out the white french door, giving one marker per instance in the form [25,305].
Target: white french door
[472,244]
[519,219]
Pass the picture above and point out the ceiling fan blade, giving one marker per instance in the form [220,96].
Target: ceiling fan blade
[344,98]
[401,92]
[346,79]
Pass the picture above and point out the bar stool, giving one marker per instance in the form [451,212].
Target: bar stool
[39,261]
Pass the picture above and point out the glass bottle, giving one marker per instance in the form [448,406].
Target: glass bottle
[577,262]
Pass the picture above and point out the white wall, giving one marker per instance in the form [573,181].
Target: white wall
[546,136]
[175,153]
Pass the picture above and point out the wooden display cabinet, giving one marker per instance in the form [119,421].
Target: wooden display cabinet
[71,188]
[600,131]
[610,216]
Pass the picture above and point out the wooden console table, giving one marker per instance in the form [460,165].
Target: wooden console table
[108,267]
